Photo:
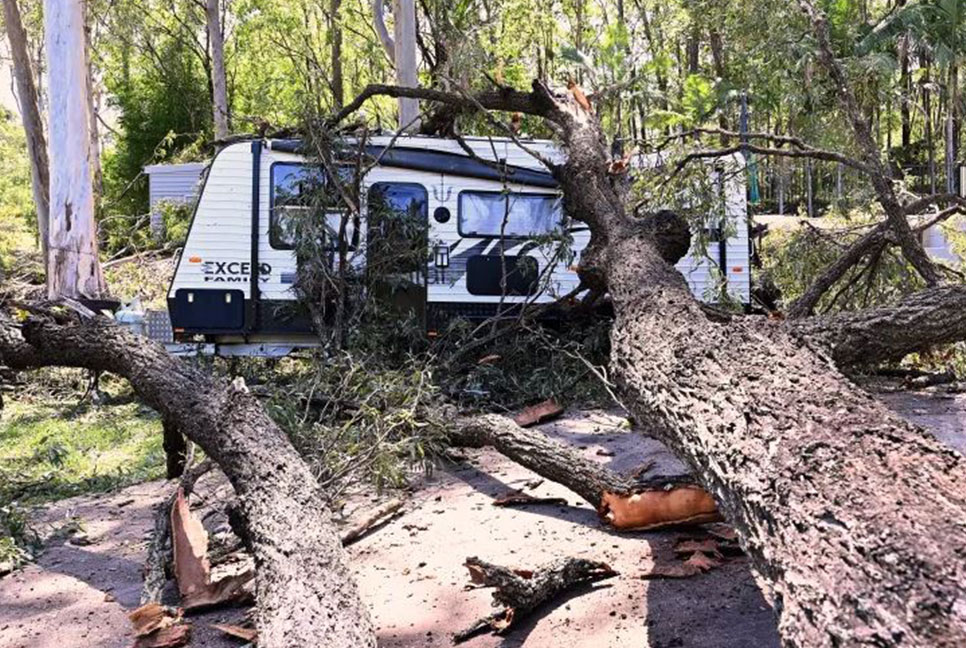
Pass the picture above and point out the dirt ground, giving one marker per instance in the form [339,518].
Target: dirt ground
[410,571]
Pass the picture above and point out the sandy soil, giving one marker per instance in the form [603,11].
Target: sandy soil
[410,571]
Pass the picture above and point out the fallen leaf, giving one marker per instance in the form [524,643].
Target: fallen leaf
[539,413]
[152,616]
[170,637]
[702,562]
[246,634]
[707,545]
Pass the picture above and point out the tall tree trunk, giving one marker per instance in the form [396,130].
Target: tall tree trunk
[219,82]
[93,102]
[335,50]
[73,267]
[406,70]
[33,124]
[905,83]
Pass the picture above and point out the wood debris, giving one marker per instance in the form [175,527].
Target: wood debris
[660,506]
[519,498]
[239,632]
[370,520]
[191,566]
[159,626]
[520,591]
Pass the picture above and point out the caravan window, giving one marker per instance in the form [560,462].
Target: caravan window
[297,189]
[483,213]
[398,214]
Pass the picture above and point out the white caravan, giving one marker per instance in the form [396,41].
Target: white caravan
[485,221]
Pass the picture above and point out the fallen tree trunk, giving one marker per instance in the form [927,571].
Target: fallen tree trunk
[622,503]
[856,517]
[889,333]
[306,594]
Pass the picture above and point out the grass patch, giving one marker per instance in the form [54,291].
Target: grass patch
[52,449]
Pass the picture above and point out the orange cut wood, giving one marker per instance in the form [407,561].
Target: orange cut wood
[657,508]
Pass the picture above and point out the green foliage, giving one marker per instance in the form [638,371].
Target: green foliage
[357,420]
[18,219]
[52,448]
[794,257]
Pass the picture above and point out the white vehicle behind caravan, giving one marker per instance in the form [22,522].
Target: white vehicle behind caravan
[485,227]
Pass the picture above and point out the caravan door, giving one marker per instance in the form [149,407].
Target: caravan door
[398,245]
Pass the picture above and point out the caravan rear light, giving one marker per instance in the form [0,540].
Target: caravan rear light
[441,256]
[194,259]
[737,269]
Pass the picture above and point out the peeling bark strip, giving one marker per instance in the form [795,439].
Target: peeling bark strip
[306,594]
[624,504]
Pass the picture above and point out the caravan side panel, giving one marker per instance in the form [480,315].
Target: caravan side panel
[214,271]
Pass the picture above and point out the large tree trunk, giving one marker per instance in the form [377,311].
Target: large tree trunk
[855,516]
[33,124]
[73,267]
[306,595]
[219,83]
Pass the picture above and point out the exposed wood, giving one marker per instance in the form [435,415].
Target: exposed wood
[305,591]
[33,123]
[160,553]
[622,503]
[519,592]
[73,267]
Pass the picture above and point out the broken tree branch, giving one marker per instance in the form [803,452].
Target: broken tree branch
[306,594]
[519,592]
[621,503]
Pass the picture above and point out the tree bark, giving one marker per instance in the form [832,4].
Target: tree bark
[774,433]
[33,123]
[73,267]
[855,516]
[889,333]
[219,83]
[306,594]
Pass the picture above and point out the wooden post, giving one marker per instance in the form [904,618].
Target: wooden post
[73,267]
